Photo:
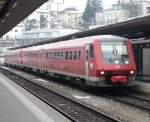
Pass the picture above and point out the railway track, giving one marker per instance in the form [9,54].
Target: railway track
[130,99]
[74,110]
[139,95]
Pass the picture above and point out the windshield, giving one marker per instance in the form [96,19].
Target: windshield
[115,52]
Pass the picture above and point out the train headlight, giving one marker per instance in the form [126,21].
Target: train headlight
[131,72]
[126,62]
[102,72]
[117,62]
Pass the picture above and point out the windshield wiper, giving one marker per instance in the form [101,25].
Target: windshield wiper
[115,52]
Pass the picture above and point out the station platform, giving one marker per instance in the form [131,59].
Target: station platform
[143,86]
[18,105]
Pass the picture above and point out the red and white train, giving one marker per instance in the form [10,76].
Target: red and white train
[104,60]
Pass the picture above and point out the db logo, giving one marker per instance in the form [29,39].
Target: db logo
[117,66]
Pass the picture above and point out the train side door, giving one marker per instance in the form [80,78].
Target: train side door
[41,56]
[91,60]
[86,62]
[20,57]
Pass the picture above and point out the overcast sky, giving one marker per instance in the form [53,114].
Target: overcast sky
[107,3]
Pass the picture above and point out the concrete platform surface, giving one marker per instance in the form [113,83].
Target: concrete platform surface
[18,105]
[143,86]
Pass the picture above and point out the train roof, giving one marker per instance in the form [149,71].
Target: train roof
[75,42]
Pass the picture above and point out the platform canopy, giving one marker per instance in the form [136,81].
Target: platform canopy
[14,11]
[138,27]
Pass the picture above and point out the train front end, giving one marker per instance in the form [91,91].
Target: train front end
[115,63]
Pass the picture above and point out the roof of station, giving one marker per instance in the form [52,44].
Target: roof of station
[14,11]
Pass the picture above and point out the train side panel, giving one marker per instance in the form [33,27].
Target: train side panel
[66,60]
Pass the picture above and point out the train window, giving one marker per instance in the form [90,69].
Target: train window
[115,52]
[66,56]
[62,54]
[51,55]
[55,55]
[79,55]
[75,55]
[87,55]
[47,55]
[70,55]
[58,54]
[91,51]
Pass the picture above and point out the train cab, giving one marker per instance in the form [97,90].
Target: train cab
[114,61]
